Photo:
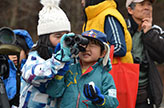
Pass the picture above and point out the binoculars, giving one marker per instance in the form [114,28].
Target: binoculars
[76,43]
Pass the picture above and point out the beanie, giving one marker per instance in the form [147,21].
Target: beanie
[52,18]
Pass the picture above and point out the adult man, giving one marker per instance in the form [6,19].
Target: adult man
[148,41]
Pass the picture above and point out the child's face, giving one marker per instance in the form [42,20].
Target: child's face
[91,55]
[14,58]
[55,37]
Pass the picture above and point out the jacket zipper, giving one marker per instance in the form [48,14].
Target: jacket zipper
[78,99]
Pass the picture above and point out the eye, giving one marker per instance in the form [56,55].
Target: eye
[58,35]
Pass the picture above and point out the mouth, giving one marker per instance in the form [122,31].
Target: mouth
[86,55]
[15,61]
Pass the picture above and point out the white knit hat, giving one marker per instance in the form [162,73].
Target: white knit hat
[52,18]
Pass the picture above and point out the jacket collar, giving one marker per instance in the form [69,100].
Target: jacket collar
[132,25]
[97,64]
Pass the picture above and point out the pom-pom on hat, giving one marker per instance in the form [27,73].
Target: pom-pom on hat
[52,18]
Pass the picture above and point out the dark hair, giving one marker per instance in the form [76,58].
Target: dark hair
[132,5]
[44,46]
[92,2]
[20,42]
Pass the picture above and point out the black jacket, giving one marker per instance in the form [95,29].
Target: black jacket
[153,42]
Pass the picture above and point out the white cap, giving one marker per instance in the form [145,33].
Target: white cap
[128,2]
[52,18]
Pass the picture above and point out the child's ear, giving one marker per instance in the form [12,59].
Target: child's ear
[103,54]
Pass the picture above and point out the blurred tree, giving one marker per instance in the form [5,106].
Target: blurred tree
[20,14]
[24,14]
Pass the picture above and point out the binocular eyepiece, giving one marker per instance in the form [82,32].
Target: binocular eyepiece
[77,39]
[76,43]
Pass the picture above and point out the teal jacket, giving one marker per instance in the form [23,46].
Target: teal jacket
[71,87]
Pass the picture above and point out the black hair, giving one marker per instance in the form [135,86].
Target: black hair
[92,2]
[44,47]
[21,42]
[132,5]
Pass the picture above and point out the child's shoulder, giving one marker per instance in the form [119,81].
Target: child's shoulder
[33,53]
[33,56]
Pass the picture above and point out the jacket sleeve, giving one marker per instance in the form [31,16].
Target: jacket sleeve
[115,35]
[56,87]
[37,71]
[109,92]
[154,41]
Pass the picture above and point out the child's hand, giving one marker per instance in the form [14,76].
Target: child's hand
[93,94]
[64,53]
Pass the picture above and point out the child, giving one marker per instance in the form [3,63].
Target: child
[88,84]
[41,66]
[12,83]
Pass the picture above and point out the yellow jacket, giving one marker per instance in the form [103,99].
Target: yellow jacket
[96,18]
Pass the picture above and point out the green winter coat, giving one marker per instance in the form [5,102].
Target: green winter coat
[71,87]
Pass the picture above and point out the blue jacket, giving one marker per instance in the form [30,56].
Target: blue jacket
[10,82]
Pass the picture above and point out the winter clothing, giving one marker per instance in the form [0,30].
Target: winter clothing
[73,87]
[52,18]
[97,16]
[151,45]
[64,54]
[93,93]
[153,42]
[12,83]
[26,36]
[36,73]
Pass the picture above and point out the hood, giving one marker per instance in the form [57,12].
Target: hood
[93,11]
[26,35]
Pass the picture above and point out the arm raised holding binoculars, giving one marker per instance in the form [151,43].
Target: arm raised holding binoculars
[64,53]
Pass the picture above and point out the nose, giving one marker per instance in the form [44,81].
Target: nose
[147,5]
[83,3]
[87,48]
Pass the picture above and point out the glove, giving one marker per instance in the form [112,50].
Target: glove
[93,94]
[64,53]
